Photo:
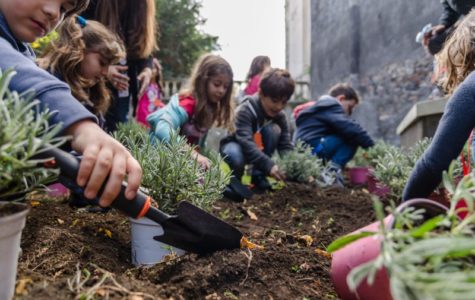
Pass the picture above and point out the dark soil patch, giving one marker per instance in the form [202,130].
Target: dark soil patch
[8,209]
[67,251]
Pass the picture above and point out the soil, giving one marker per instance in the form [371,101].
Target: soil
[71,253]
[7,209]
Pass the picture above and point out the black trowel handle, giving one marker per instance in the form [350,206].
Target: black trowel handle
[69,167]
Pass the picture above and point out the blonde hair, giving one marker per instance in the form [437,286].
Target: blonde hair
[208,113]
[63,57]
[457,58]
[134,21]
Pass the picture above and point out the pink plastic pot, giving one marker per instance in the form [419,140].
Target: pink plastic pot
[57,190]
[366,249]
[359,175]
[375,187]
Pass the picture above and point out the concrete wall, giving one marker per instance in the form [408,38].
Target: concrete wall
[359,36]
[298,37]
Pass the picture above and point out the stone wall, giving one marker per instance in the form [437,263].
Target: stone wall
[371,43]
[359,36]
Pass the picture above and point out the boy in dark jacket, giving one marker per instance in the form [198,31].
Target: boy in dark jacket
[261,128]
[326,126]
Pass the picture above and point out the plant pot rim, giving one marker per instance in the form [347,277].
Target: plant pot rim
[19,214]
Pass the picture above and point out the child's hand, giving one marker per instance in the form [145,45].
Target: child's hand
[118,80]
[276,173]
[144,77]
[103,157]
[202,160]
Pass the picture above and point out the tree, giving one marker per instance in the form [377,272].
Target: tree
[180,40]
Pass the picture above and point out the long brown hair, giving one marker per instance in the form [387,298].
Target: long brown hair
[208,113]
[134,21]
[258,64]
[63,57]
[457,58]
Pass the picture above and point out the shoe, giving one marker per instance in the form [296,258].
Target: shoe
[261,183]
[237,191]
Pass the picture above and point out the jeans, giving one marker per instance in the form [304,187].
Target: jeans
[333,148]
[234,156]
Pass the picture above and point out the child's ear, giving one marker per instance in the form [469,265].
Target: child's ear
[341,97]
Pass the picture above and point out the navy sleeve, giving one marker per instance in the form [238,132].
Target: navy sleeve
[50,91]
[449,16]
[452,133]
[347,128]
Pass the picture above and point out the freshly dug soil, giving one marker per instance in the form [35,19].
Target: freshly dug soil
[71,253]
[7,209]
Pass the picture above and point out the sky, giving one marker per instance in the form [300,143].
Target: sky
[247,28]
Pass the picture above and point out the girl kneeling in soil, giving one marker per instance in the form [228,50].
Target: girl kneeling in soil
[458,58]
[261,128]
[81,57]
[204,103]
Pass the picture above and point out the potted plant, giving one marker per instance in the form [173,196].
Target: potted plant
[170,175]
[359,167]
[421,251]
[24,132]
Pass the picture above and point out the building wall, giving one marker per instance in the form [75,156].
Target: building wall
[298,35]
[360,36]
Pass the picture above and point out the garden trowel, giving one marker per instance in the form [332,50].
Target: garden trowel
[191,229]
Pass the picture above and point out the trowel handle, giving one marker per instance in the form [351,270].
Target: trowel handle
[69,167]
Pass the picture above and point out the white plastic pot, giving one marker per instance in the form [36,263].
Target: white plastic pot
[10,236]
[145,250]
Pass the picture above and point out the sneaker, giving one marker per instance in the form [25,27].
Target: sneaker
[261,183]
[237,191]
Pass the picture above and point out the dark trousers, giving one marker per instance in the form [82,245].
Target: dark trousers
[234,156]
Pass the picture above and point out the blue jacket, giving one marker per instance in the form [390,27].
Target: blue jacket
[49,90]
[453,131]
[170,117]
[327,117]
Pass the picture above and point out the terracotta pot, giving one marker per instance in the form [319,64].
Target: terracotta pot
[359,175]
[11,226]
[377,188]
[366,249]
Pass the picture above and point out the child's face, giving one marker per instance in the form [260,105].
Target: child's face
[94,67]
[217,87]
[272,106]
[31,19]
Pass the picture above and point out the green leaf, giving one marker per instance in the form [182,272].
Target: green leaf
[347,239]
[429,225]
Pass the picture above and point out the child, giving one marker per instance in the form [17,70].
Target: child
[134,21]
[458,119]
[150,100]
[81,57]
[261,128]
[23,21]
[326,126]
[204,103]
[259,65]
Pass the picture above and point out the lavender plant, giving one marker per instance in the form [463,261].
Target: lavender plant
[425,258]
[302,166]
[24,133]
[170,174]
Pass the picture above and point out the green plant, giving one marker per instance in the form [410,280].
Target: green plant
[24,132]
[40,44]
[170,174]
[394,167]
[301,165]
[424,258]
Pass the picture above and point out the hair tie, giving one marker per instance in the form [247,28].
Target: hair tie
[81,21]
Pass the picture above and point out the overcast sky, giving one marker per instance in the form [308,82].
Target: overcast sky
[247,28]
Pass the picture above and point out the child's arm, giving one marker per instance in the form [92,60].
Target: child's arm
[103,158]
[88,138]
[171,117]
